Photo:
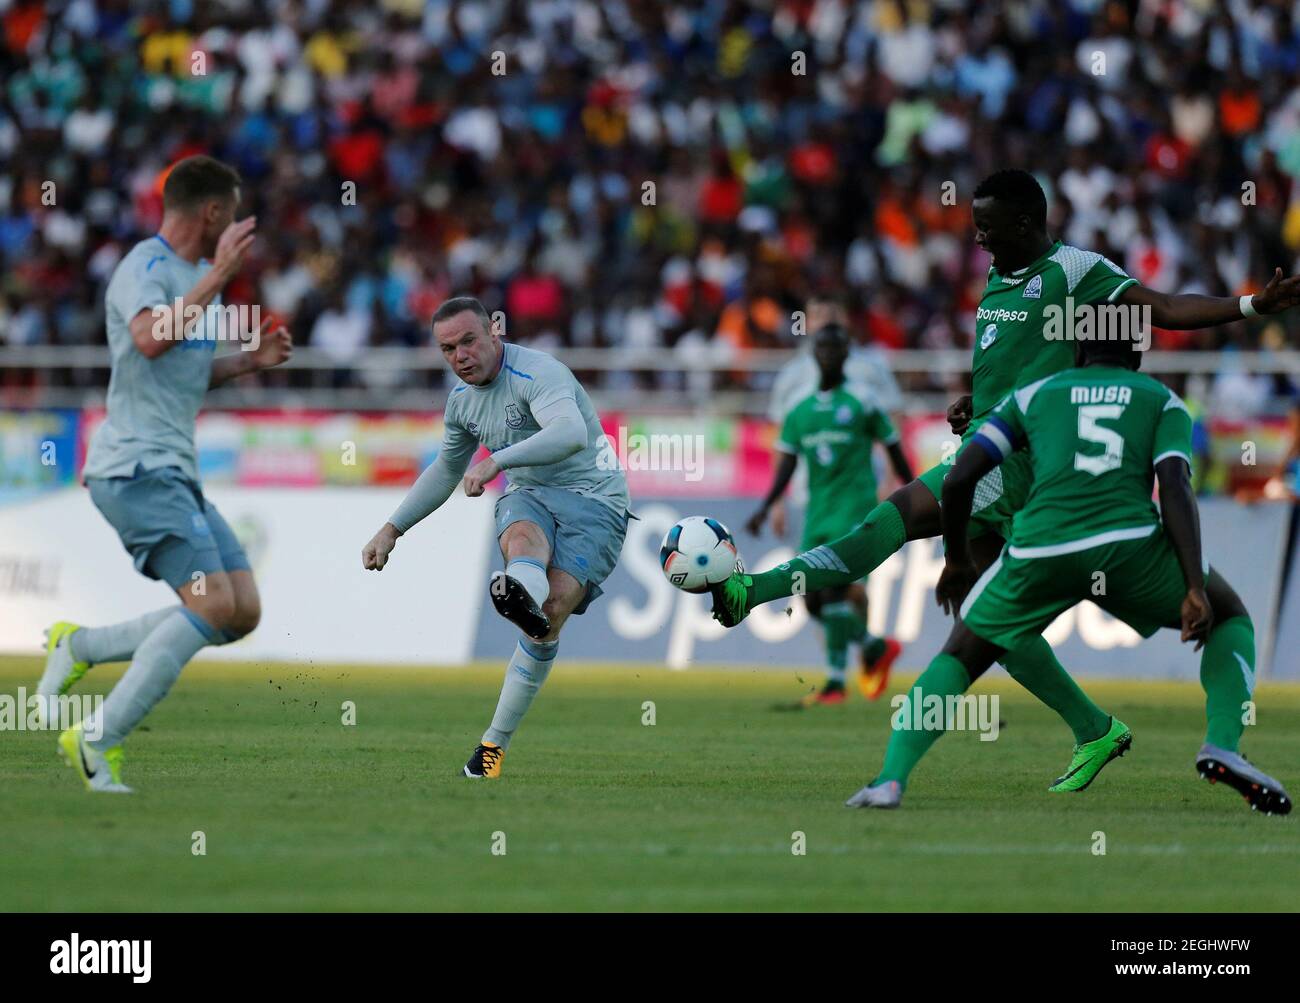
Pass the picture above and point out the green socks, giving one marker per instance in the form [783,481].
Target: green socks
[840,562]
[1035,668]
[840,625]
[1228,677]
[945,677]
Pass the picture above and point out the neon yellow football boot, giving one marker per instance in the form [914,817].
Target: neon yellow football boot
[101,772]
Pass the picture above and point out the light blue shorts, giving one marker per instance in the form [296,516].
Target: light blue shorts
[586,536]
[167,526]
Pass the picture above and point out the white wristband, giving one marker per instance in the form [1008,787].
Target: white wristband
[1247,307]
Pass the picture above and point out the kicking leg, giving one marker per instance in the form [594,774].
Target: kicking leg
[519,593]
[911,513]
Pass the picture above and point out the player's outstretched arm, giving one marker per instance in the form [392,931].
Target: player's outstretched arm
[430,490]
[1182,522]
[898,460]
[1188,311]
[156,329]
[780,481]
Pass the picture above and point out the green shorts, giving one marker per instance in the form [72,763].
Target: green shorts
[1137,580]
[999,495]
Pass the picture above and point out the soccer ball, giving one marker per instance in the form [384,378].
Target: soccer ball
[698,552]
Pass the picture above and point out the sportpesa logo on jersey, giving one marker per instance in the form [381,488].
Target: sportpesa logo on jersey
[985,313]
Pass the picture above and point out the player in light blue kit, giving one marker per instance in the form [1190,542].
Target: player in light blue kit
[561,523]
[164,320]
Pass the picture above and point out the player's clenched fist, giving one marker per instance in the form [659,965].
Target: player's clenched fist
[374,555]
[959,415]
[480,476]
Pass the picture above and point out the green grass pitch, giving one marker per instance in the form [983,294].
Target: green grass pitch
[602,812]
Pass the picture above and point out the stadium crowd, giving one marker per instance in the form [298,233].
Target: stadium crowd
[658,174]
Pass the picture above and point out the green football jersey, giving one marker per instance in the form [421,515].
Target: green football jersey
[1094,436]
[1010,347]
[833,432]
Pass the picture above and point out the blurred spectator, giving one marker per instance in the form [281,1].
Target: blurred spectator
[392,158]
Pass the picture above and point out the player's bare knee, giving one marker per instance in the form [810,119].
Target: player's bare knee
[919,509]
[217,608]
[974,653]
[246,617]
[523,539]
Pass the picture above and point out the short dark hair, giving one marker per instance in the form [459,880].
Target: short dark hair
[459,304]
[194,180]
[1018,189]
[832,330]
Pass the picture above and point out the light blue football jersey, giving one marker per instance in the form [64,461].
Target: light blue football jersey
[502,413]
[152,403]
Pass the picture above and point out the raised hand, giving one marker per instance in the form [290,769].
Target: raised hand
[1280,294]
[271,347]
[233,244]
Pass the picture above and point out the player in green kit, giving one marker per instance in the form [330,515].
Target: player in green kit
[833,431]
[1030,273]
[1093,438]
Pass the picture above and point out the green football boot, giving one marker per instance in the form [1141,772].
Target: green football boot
[731,599]
[1090,757]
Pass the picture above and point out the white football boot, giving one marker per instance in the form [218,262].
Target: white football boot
[1262,792]
[886,795]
